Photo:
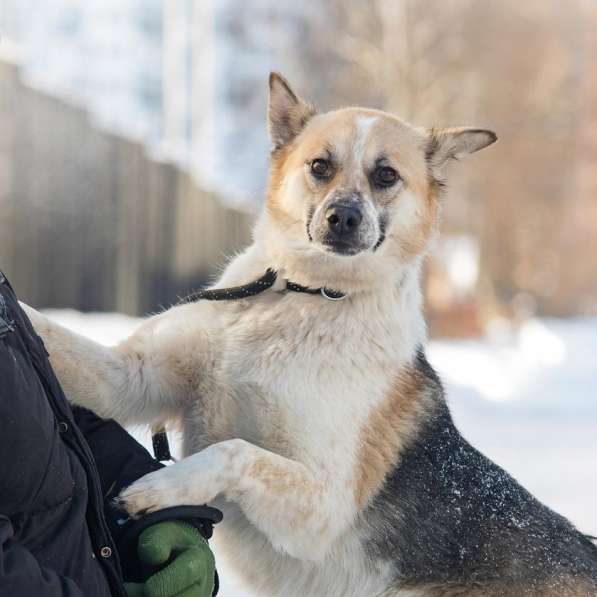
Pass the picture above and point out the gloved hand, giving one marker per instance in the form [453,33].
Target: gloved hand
[191,570]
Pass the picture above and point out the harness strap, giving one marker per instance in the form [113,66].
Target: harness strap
[161,446]
[257,287]
[236,292]
[328,293]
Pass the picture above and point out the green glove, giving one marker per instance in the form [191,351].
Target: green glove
[191,571]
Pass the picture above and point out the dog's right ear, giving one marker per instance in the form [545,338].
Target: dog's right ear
[287,113]
[448,144]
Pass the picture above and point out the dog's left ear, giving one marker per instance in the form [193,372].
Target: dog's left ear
[444,145]
[287,113]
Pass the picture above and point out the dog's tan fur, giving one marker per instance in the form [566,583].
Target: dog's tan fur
[389,427]
[294,408]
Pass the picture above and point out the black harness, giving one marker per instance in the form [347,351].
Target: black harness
[257,287]
[161,446]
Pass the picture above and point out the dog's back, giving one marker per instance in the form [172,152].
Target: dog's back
[454,523]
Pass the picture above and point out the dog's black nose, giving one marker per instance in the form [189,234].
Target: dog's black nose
[343,219]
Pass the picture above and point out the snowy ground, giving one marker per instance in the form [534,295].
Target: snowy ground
[527,399]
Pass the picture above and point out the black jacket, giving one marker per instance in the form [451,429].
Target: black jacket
[59,469]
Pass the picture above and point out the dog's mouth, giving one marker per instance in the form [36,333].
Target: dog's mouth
[340,247]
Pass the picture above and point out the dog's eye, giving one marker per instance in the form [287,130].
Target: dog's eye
[384,176]
[321,168]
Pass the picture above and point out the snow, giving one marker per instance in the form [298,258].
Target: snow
[105,328]
[527,398]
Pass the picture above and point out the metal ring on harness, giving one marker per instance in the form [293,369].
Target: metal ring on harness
[337,297]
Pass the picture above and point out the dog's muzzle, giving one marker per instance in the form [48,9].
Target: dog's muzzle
[343,220]
[345,225]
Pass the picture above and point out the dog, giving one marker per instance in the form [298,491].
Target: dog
[317,425]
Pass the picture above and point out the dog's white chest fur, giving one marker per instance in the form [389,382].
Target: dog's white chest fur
[301,370]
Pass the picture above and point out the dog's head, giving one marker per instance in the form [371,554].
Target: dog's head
[353,193]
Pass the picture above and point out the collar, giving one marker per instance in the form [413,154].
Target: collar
[257,287]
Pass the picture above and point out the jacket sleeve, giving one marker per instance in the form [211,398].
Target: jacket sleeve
[22,576]
[119,459]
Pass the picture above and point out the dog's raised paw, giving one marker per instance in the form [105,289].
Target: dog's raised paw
[150,493]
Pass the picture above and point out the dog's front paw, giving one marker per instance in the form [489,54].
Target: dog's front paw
[174,485]
[152,492]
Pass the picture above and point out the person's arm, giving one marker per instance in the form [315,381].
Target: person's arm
[119,459]
[166,540]
[22,576]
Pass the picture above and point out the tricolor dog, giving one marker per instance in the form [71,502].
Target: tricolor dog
[310,414]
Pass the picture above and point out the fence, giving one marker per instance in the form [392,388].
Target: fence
[89,221]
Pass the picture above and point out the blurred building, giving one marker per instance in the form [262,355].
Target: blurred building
[217,54]
[188,78]
[100,54]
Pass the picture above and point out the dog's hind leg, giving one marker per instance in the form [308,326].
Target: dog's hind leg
[288,502]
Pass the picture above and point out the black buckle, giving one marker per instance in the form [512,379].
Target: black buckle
[161,446]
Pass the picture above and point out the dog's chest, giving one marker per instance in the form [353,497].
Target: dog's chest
[305,363]
[302,341]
